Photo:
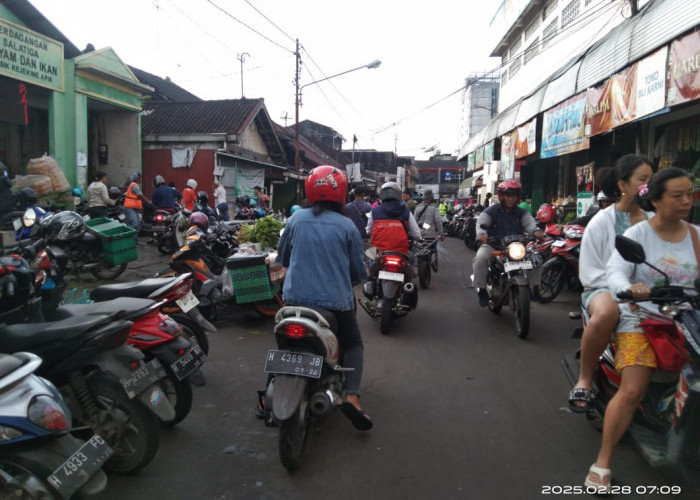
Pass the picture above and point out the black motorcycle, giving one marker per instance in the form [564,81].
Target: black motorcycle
[427,257]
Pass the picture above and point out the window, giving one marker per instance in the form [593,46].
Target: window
[549,32]
[515,48]
[515,67]
[532,50]
[532,28]
[504,77]
[569,13]
[549,8]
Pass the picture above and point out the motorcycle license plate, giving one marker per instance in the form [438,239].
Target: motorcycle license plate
[80,466]
[17,224]
[187,302]
[386,275]
[141,378]
[158,229]
[190,361]
[294,363]
[513,266]
[559,243]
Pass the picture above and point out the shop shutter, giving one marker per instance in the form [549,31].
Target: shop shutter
[561,88]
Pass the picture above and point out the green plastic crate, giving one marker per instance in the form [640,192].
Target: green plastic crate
[251,278]
[118,239]
[100,224]
[122,256]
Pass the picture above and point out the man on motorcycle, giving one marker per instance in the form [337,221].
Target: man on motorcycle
[504,218]
[322,251]
[429,217]
[188,194]
[163,196]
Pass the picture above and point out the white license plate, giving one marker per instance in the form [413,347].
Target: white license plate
[80,466]
[386,275]
[294,363]
[187,302]
[17,224]
[559,243]
[512,266]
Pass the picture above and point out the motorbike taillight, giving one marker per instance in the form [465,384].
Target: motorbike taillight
[180,290]
[392,263]
[47,414]
[160,217]
[170,326]
[294,331]
[43,261]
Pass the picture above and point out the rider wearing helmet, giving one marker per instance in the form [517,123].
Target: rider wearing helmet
[202,205]
[188,194]
[504,218]
[98,196]
[163,196]
[322,250]
[390,222]
[199,220]
[603,201]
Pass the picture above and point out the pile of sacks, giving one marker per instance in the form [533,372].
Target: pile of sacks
[44,176]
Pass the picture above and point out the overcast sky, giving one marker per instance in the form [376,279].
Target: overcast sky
[427,49]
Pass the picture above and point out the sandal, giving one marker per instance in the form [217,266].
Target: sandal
[260,407]
[360,420]
[602,474]
[580,394]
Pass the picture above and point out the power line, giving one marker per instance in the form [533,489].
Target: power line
[270,21]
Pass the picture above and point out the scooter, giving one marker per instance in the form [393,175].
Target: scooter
[38,457]
[666,425]
[562,266]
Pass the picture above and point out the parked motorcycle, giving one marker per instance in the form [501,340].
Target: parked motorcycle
[562,266]
[666,425]
[389,292]
[306,376]
[38,457]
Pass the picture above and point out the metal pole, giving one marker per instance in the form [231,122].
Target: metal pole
[296,108]
[241,58]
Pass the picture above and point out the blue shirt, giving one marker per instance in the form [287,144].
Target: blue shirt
[357,210]
[163,197]
[323,254]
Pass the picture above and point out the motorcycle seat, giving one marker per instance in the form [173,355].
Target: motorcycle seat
[8,364]
[138,289]
[133,308]
[27,336]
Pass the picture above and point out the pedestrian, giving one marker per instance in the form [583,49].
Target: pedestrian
[407,197]
[220,202]
[133,204]
[7,203]
[487,201]
[98,196]
[189,196]
[357,210]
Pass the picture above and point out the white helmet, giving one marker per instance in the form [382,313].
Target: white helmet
[602,196]
[192,183]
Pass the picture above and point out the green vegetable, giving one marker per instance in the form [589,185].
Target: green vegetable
[265,231]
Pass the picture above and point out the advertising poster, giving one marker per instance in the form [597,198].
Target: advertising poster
[683,79]
[525,142]
[563,128]
[651,83]
[507,169]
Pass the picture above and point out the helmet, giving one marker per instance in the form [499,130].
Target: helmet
[158,180]
[64,226]
[134,177]
[27,196]
[203,198]
[546,213]
[252,202]
[295,208]
[114,192]
[242,200]
[602,196]
[326,183]
[508,186]
[76,191]
[390,191]
[264,198]
[192,183]
[428,195]
[200,220]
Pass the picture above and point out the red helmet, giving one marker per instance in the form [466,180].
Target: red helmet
[326,183]
[200,220]
[508,186]
[546,213]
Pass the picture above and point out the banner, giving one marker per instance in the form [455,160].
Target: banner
[488,151]
[683,79]
[479,157]
[651,84]
[563,128]
[598,112]
[525,142]
[471,161]
[623,96]
[507,169]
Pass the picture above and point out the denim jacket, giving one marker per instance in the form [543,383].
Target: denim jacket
[323,254]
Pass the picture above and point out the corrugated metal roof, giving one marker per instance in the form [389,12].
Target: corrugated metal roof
[165,89]
[203,117]
[507,122]
[530,106]
[561,88]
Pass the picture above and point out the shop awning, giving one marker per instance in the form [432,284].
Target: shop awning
[469,181]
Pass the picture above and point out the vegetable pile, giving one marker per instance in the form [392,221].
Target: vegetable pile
[265,231]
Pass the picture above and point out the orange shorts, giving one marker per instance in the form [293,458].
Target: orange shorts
[633,349]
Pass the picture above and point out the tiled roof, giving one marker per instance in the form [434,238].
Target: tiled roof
[202,117]
[165,89]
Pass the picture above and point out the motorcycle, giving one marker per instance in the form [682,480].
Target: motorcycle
[508,280]
[389,292]
[666,425]
[306,378]
[38,456]
[173,236]
[469,229]
[562,266]
[427,258]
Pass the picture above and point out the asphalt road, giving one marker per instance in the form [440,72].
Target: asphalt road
[462,408]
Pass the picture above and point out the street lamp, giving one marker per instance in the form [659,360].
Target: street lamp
[374,64]
[241,58]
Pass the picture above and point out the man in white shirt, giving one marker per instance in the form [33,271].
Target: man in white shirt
[220,200]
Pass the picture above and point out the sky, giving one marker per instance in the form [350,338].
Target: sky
[409,104]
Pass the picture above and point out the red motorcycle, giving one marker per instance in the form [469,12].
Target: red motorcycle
[562,266]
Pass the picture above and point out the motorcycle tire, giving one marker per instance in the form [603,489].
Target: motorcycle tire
[20,480]
[166,245]
[386,316]
[179,393]
[293,434]
[551,283]
[128,427]
[194,333]
[105,271]
[269,308]
[520,304]
[424,274]
[434,262]
[689,463]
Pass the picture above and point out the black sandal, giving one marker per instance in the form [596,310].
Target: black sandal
[580,394]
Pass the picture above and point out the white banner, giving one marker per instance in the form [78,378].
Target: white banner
[651,83]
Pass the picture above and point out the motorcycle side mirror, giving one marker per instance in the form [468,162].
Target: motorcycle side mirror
[633,252]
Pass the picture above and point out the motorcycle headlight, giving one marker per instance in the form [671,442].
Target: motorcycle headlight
[29,218]
[516,251]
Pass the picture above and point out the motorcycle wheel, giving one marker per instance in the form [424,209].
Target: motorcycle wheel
[690,451]
[552,283]
[424,274]
[20,481]
[386,316]
[434,262]
[105,271]
[127,426]
[179,393]
[269,308]
[520,304]
[166,245]
[194,333]
[293,433]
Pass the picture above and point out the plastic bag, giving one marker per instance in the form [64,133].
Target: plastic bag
[227,283]
[78,297]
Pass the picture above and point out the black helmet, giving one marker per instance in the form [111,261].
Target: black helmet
[243,200]
[63,226]
[27,196]
[202,198]
[114,192]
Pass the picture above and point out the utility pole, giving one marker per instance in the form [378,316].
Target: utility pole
[241,58]
[296,106]
[285,117]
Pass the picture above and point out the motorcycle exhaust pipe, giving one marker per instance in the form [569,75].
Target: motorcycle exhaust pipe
[409,287]
[320,404]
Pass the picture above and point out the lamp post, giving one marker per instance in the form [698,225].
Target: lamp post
[372,65]
[241,58]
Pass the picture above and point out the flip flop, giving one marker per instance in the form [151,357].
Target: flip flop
[579,394]
[360,420]
[605,487]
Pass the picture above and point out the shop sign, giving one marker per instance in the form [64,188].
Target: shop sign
[651,84]
[684,70]
[525,142]
[508,155]
[613,103]
[30,57]
[488,152]
[563,128]
[471,158]
[480,157]
[584,201]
